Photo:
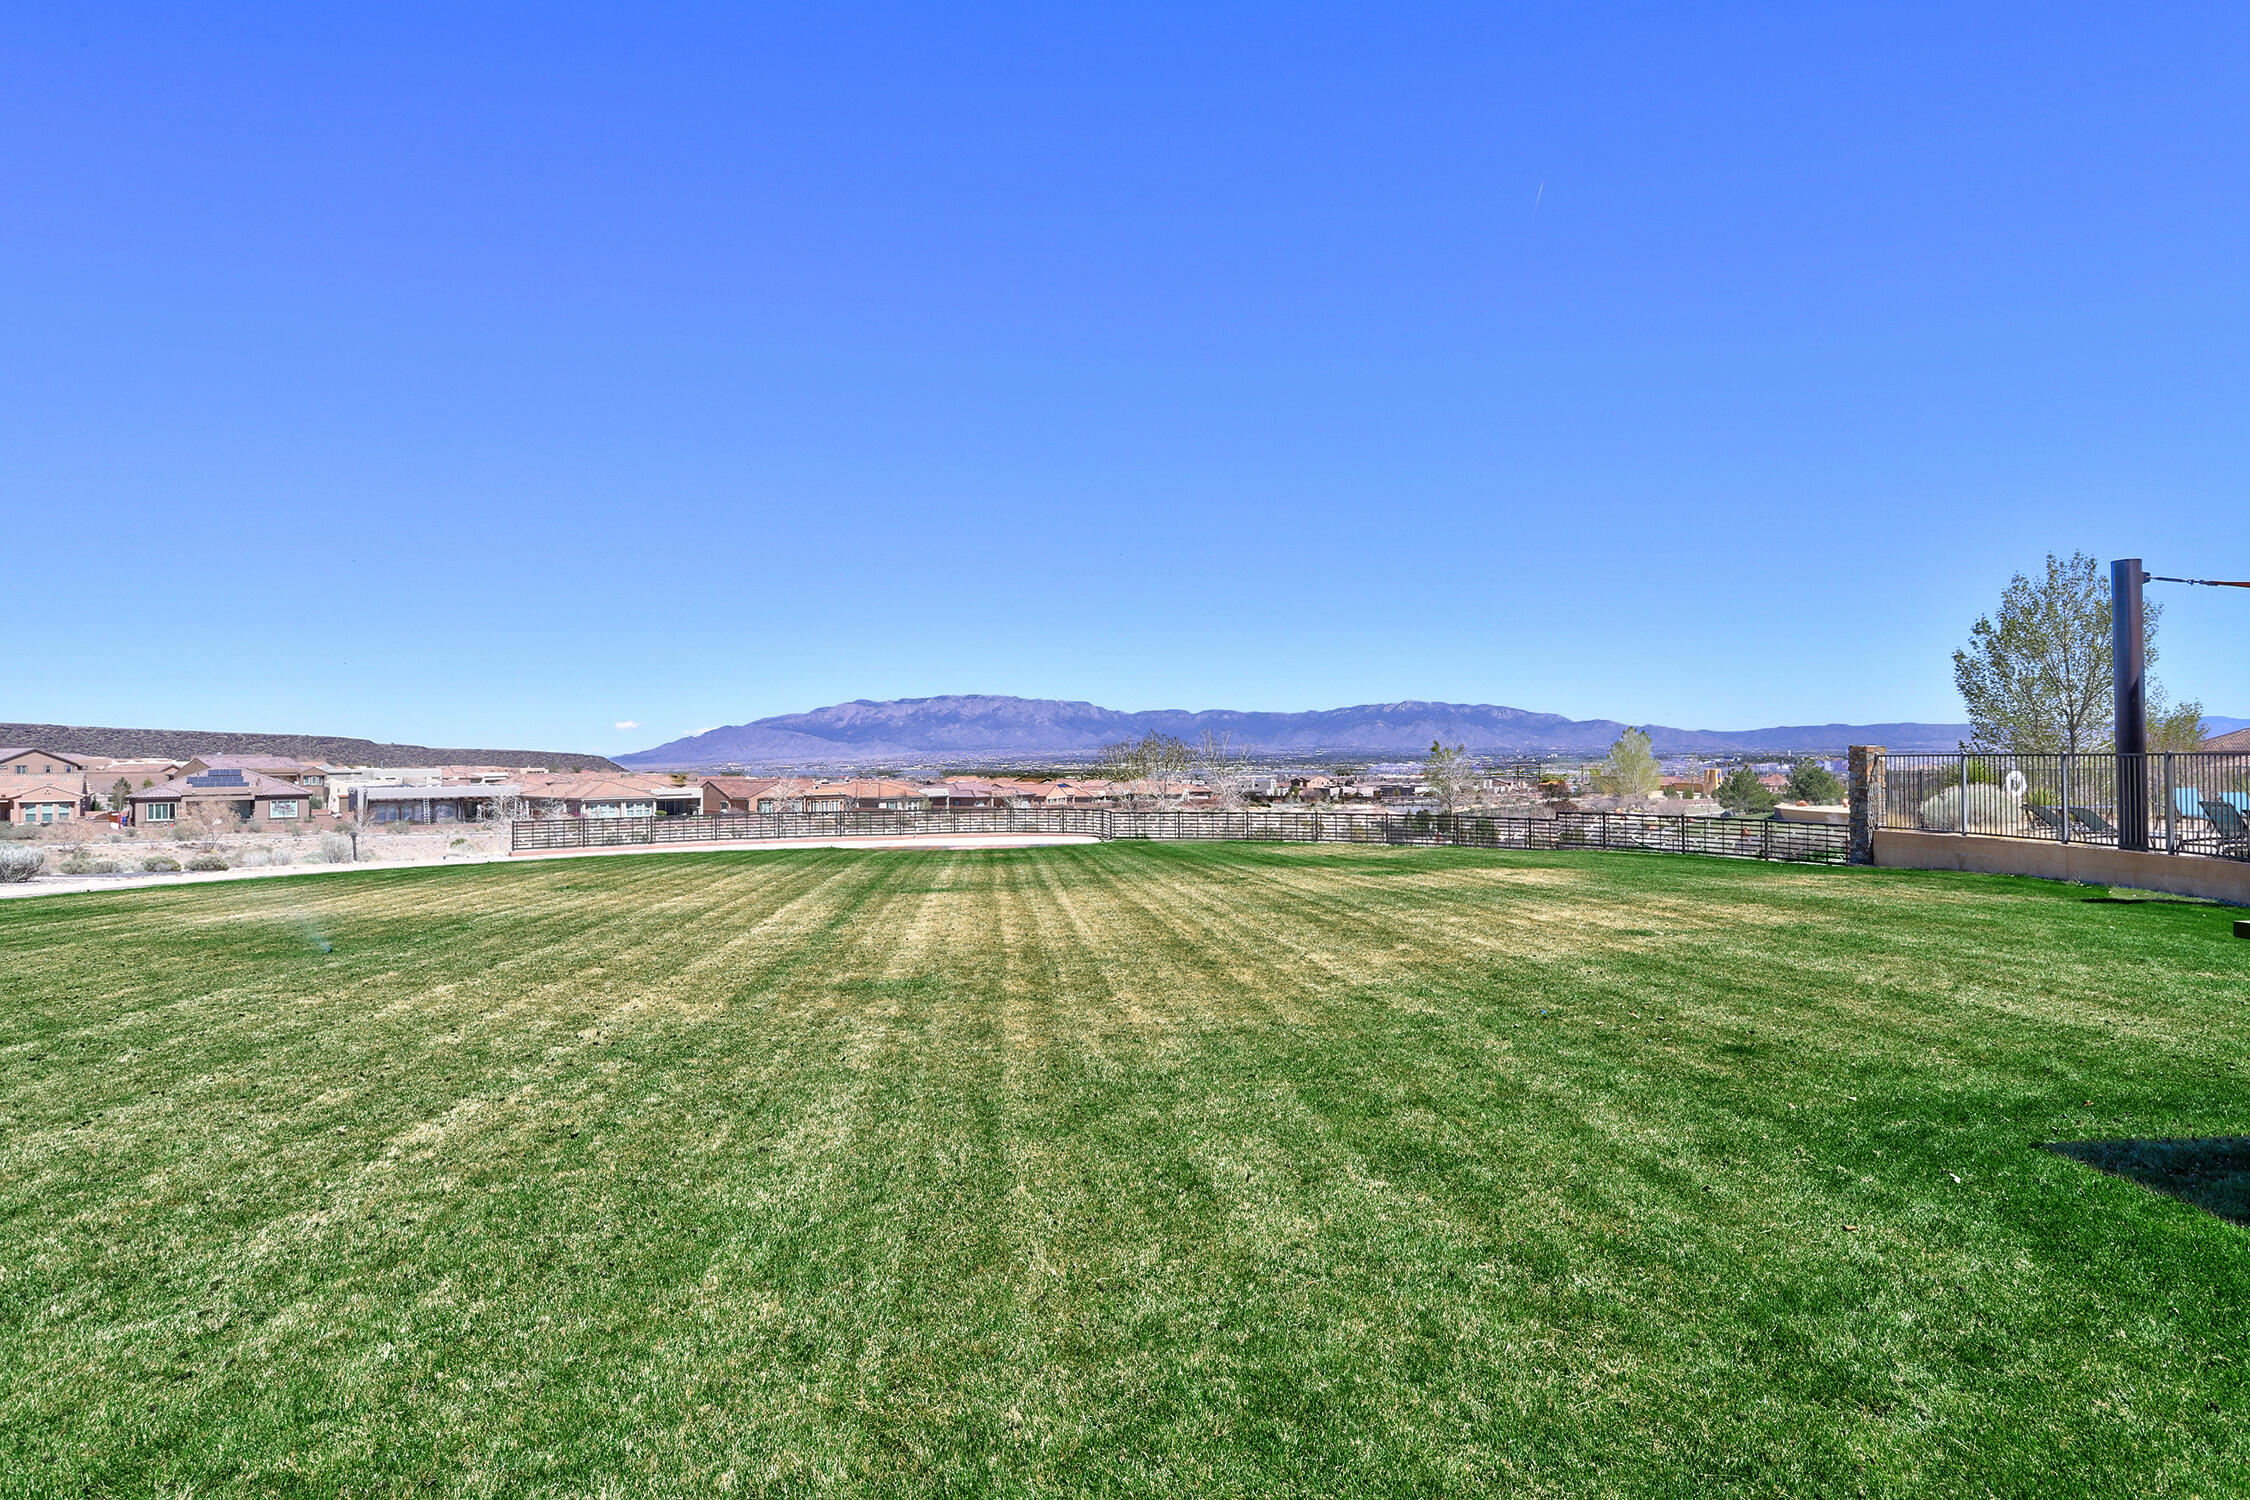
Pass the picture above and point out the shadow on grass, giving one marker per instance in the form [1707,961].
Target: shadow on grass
[2213,1173]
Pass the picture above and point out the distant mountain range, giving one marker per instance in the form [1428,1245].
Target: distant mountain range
[972,728]
[178,744]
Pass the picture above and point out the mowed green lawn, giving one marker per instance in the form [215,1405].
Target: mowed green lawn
[1152,1169]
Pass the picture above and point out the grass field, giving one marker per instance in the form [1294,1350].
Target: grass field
[1131,1169]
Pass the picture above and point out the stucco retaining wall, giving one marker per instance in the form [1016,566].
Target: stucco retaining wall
[2092,864]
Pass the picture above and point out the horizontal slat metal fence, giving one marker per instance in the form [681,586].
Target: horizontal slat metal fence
[2191,802]
[1735,838]
[726,828]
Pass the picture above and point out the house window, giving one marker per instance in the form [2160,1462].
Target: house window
[285,808]
[159,812]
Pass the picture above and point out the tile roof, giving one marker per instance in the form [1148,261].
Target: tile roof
[249,763]
[10,752]
[40,791]
[590,788]
[739,787]
[445,791]
[187,788]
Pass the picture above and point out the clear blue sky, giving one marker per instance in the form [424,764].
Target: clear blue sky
[483,376]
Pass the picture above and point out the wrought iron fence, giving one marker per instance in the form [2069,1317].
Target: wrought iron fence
[2187,802]
[1734,838]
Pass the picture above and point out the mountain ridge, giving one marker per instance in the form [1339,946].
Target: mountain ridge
[971,726]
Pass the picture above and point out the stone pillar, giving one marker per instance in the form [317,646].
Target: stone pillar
[1868,787]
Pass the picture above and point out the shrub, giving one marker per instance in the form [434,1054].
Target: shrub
[107,867]
[336,848]
[254,859]
[1990,810]
[207,862]
[159,864]
[77,862]
[20,862]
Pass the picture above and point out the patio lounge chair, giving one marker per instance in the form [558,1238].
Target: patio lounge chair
[2091,819]
[2227,822]
[2187,802]
[2050,818]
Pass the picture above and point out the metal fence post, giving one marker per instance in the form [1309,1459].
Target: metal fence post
[1963,820]
[2066,819]
[2171,809]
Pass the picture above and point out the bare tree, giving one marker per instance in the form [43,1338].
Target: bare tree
[1451,775]
[1223,768]
[1155,760]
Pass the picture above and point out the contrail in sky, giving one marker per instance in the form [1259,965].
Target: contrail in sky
[1542,194]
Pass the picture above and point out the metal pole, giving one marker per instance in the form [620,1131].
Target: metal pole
[2066,796]
[1963,820]
[2171,809]
[2130,686]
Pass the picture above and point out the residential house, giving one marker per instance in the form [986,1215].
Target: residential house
[872,794]
[220,795]
[41,800]
[41,786]
[279,767]
[30,760]
[958,792]
[102,776]
[1090,791]
[675,797]
[588,796]
[456,802]
[734,794]
[785,795]
[2237,743]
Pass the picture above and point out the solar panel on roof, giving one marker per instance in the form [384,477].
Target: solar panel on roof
[218,778]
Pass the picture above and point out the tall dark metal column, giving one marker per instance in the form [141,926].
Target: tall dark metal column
[2131,690]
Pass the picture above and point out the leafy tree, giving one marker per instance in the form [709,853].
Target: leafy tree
[120,794]
[1810,781]
[1631,769]
[1451,775]
[1742,791]
[2037,679]
[2173,727]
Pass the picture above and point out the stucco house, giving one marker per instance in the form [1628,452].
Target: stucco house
[221,795]
[40,801]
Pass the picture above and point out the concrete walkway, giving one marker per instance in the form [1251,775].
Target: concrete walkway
[65,885]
